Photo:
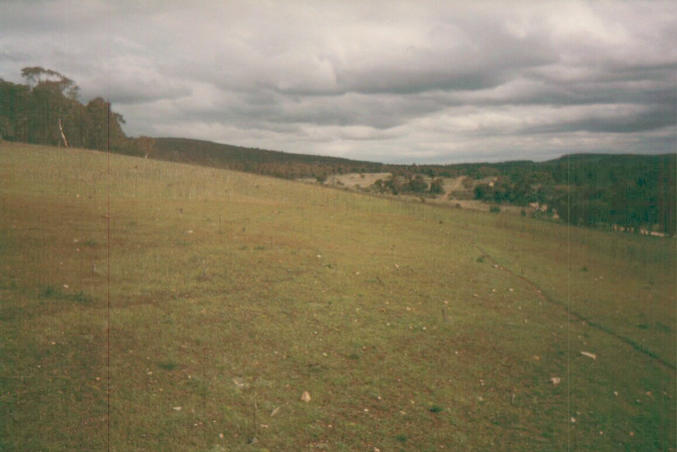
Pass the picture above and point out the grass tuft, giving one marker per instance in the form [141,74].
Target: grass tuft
[55,293]
[167,365]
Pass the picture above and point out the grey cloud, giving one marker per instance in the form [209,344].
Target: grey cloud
[12,55]
[656,118]
[123,92]
[394,81]
[380,111]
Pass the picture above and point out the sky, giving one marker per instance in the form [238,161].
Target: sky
[397,82]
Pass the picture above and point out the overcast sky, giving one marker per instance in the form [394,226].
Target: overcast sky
[388,81]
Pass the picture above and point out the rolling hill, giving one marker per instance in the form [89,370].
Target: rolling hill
[151,305]
[635,192]
[261,161]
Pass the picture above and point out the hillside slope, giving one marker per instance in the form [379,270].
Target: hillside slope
[260,161]
[636,192]
[228,295]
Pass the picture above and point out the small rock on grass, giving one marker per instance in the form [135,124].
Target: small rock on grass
[305,396]
[555,380]
[589,355]
[240,383]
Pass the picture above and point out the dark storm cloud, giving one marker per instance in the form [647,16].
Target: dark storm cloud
[390,81]
[652,119]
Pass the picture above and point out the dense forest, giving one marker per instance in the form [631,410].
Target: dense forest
[631,191]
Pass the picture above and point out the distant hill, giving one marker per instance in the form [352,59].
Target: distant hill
[261,161]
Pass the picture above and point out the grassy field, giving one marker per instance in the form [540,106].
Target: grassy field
[228,295]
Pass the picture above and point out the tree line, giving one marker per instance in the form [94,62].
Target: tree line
[47,110]
[631,191]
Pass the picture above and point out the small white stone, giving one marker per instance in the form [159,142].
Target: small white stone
[589,355]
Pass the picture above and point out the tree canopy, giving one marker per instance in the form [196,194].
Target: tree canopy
[31,113]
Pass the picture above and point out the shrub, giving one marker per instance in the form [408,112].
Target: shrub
[483,191]
[417,184]
[436,186]
[55,293]
[167,365]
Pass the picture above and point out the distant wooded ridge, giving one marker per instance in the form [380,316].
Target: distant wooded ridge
[632,191]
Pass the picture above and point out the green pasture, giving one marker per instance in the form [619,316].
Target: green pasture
[147,305]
